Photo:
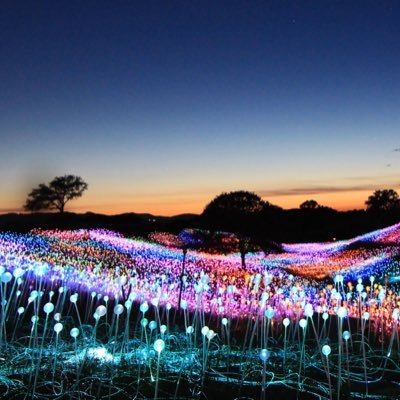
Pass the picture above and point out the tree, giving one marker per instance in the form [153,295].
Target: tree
[56,194]
[309,205]
[383,200]
[238,212]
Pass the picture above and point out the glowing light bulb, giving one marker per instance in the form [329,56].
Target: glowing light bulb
[286,322]
[346,335]
[189,330]
[118,309]
[73,298]
[264,355]
[101,311]
[58,327]
[144,307]
[152,325]
[159,345]
[204,330]
[48,308]
[74,332]
[342,312]
[269,313]
[326,350]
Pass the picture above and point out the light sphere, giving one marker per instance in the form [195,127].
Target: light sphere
[6,277]
[342,312]
[48,308]
[189,330]
[118,309]
[20,310]
[264,355]
[159,345]
[303,323]
[269,313]
[286,322]
[101,311]
[144,307]
[346,335]
[326,350]
[152,325]
[58,327]
[204,330]
[74,332]
[73,298]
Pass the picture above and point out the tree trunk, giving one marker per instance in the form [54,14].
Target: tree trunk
[181,278]
[243,258]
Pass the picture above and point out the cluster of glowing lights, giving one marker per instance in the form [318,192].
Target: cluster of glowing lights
[68,284]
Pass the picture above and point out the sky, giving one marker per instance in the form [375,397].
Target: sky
[162,105]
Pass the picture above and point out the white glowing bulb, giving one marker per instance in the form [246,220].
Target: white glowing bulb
[159,345]
[326,350]
[58,327]
[74,332]
[48,308]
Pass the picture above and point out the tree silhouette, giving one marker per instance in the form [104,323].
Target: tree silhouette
[56,194]
[383,200]
[309,205]
[238,212]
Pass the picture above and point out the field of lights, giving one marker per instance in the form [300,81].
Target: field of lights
[90,314]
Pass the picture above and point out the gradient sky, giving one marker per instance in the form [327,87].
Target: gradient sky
[161,105]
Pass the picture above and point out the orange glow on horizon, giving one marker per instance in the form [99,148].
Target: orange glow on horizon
[182,203]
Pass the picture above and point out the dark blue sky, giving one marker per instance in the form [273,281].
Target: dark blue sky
[162,105]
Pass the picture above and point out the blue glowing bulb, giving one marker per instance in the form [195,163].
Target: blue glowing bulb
[264,355]
[152,325]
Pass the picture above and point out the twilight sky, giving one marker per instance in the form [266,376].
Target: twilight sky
[161,105]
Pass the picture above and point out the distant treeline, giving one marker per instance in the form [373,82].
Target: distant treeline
[296,225]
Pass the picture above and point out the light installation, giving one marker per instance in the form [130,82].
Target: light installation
[90,313]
